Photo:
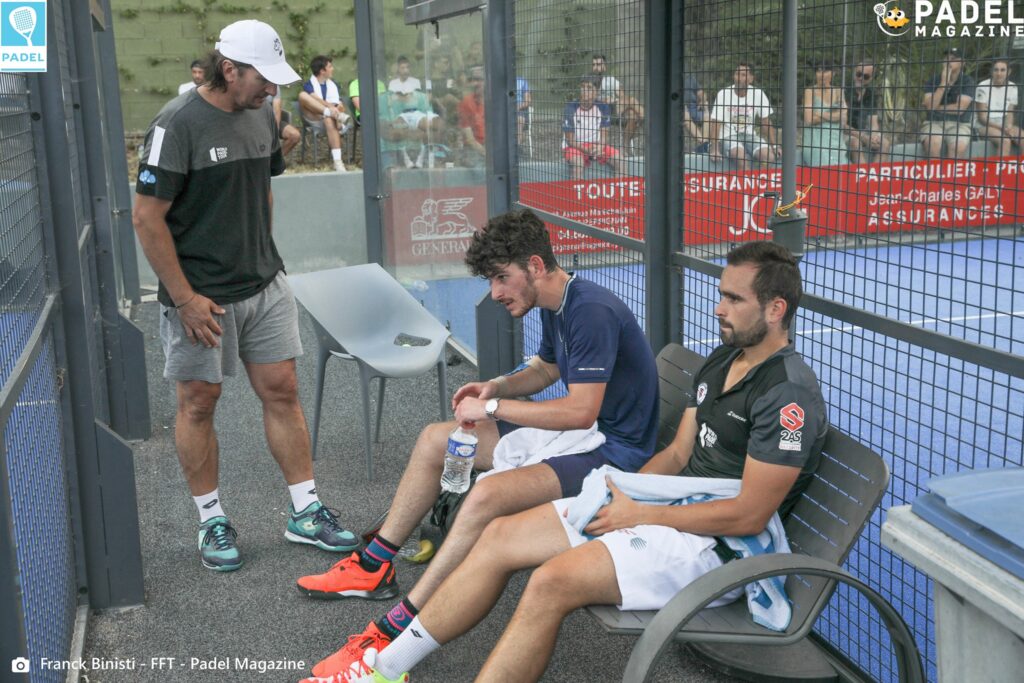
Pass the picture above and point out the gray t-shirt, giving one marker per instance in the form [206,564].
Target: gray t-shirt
[215,168]
[776,414]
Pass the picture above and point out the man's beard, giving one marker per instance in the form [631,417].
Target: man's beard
[747,338]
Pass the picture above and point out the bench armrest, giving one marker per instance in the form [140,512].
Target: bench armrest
[691,600]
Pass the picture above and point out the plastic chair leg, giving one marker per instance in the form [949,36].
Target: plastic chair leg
[380,409]
[364,388]
[442,387]
[321,366]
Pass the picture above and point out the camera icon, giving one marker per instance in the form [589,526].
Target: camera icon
[19,665]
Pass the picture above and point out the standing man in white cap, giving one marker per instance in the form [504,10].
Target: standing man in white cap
[202,214]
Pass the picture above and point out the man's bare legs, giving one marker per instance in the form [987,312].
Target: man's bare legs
[500,494]
[421,481]
[194,436]
[277,387]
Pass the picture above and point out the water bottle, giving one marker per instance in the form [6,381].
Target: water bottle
[458,459]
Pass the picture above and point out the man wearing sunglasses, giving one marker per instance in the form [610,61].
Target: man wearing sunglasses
[867,142]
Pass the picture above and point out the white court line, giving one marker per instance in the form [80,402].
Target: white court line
[853,328]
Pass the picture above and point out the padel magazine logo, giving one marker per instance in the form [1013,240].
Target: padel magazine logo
[22,35]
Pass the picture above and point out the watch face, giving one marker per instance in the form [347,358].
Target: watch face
[491,406]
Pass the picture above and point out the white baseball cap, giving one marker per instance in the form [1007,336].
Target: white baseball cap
[255,43]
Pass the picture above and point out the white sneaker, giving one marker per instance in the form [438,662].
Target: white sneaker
[339,166]
[344,122]
[409,163]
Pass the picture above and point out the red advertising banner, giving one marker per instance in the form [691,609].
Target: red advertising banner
[866,198]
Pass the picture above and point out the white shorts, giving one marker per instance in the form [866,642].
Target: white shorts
[653,563]
[413,118]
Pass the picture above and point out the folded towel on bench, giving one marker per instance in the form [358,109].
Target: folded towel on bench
[769,606]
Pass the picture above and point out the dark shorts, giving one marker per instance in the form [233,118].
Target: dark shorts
[571,470]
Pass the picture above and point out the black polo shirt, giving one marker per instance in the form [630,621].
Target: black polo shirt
[775,414]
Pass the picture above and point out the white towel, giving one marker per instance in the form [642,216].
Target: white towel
[333,96]
[528,446]
[767,600]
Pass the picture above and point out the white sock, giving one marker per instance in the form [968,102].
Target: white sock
[303,495]
[336,154]
[406,651]
[209,506]
[420,157]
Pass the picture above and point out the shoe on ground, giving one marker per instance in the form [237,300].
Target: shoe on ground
[360,671]
[318,525]
[348,579]
[217,547]
[352,652]
[339,166]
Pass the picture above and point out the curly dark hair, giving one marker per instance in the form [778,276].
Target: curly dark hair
[777,274]
[511,237]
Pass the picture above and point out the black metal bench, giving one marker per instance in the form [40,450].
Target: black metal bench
[822,528]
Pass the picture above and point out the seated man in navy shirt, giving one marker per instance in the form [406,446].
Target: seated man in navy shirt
[756,414]
[591,342]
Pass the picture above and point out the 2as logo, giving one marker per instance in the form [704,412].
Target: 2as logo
[22,36]
[892,21]
[791,417]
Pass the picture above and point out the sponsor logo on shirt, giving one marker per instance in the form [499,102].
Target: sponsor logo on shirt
[736,417]
[702,391]
[147,178]
[790,440]
[589,369]
[791,417]
[218,153]
[708,438]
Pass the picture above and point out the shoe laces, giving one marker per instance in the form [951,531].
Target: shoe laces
[328,517]
[223,536]
[361,642]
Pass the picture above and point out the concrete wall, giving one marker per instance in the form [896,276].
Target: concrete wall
[319,222]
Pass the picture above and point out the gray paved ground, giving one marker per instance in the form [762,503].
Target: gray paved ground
[256,612]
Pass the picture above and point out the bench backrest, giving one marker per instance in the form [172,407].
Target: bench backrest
[827,519]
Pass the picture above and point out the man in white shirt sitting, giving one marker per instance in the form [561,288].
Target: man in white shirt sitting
[585,126]
[996,103]
[320,102]
[736,110]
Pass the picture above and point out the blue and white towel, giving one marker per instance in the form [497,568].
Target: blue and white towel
[767,600]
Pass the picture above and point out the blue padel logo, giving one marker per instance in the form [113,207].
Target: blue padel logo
[147,178]
[22,36]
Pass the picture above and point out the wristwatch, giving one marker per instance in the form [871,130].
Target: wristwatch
[491,407]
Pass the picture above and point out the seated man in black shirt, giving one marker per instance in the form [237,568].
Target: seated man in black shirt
[867,142]
[757,415]
[949,99]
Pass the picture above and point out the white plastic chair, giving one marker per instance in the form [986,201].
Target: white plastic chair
[361,313]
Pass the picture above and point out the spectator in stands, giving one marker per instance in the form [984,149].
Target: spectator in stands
[824,114]
[353,95]
[290,135]
[408,126]
[996,102]
[624,110]
[866,138]
[471,120]
[585,128]
[638,555]
[524,100]
[321,106]
[696,113]
[735,112]
[591,345]
[404,82]
[949,96]
[197,77]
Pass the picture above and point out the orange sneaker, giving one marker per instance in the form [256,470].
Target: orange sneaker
[347,579]
[352,651]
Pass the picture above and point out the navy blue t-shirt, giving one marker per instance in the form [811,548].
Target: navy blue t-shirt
[594,337]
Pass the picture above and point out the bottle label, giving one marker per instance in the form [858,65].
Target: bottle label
[462,450]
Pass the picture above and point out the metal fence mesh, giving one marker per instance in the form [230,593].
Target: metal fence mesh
[39,500]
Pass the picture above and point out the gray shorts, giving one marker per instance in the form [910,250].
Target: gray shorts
[261,329]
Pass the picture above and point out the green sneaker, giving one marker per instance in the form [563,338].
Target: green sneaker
[217,547]
[318,525]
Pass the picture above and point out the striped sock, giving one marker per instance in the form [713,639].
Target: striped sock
[377,553]
[398,619]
